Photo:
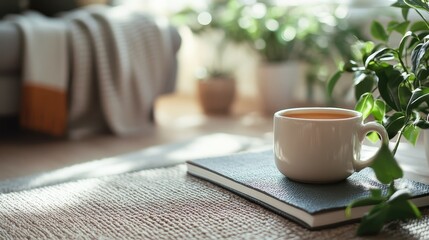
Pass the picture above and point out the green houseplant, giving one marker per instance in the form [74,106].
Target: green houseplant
[282,36]
[216,87]
[210,25]
[295,40]
[301,35]
[392,86]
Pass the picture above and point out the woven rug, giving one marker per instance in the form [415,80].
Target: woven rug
[163,203]
[216,144]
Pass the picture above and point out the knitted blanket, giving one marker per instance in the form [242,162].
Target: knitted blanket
[163,203]
[109,63]
[44,73]
[122,60]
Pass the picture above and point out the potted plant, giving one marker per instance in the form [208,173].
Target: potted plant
[216,91]
[216,86]
[273,35]
[392,86]
[290,42]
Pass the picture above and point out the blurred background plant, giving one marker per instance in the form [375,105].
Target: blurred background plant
[278,32]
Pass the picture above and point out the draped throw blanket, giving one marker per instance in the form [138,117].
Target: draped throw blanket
[45,69]
[117,60]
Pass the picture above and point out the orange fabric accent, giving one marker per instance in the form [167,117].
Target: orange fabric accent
[44,109]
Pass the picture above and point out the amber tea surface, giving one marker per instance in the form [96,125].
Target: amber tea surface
[319,115]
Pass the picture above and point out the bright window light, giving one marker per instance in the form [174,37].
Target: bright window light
[204,18]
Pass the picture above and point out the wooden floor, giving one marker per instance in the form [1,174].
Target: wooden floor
[177,118]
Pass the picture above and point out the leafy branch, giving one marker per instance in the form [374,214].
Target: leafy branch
[392,86]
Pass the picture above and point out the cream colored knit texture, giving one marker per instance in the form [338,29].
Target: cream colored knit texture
[158,204]
[121,63]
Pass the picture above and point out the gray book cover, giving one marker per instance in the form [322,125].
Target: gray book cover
[254,176]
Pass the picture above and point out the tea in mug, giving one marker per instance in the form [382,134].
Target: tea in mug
[321,145]
[318,115]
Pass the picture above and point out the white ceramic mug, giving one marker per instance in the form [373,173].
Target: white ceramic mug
[321,145]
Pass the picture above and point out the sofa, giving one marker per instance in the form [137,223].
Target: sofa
[11,51]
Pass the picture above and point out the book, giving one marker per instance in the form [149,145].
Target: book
[254,176]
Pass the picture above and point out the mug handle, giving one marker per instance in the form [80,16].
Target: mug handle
[365,128]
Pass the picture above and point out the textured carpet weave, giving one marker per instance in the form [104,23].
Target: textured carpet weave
[163,203]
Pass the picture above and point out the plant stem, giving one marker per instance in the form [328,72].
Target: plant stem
[218,58]
[392,189]
[398,140]
[402,62]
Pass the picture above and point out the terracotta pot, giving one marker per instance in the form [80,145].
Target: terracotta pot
[216,95]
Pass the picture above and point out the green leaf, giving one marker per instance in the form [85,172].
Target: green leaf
[423,124]
[391,26]
[377,54]
[397,207]
[400,4]
[404,95]
[376,192]
[421,74]
[403,210]
[399,195]
[418,55]
[418,26]
[350,66]
[389,80]
[332,82]
[365,105]
[378,32]
[364,83]
[367,48]
[418,97]
[412,133]
[403,41]
[379,110]
[405,12]
[373,200]
[373,222]
[402,27]
[398,27]
[394,124]
[392,189]
[373,137]
[400,206]
[417,4]
[385,167]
